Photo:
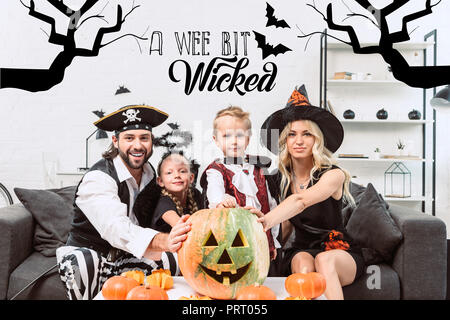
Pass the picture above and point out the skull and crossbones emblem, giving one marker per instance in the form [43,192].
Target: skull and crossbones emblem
[131,115]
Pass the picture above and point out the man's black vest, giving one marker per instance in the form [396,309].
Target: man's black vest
[83,233]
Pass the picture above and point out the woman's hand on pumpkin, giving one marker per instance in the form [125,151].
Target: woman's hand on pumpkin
[261,217]
[179,233]
[254,211]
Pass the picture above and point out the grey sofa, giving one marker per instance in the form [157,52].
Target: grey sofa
[418,269]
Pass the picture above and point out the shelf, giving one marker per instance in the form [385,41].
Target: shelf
[386,121]
[368,83]
[377,160]
[410,199]
[399,46]
[70,173]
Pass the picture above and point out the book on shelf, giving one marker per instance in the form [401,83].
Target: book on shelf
[342,75]
[389,156]
[397,196]
[352,155]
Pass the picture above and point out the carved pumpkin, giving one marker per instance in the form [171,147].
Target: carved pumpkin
[147,292]
[137,275]
[308,285]
[160,278]
[256,292]
[225,251]
[117,287]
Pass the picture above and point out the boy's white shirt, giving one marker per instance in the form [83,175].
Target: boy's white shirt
[244,183]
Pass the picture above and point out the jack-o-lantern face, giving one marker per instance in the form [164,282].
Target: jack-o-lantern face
[225,250]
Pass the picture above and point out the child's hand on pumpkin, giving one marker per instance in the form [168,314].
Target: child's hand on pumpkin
[179,233]
[228,202]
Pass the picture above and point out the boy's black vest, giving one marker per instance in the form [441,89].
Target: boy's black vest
[83,233]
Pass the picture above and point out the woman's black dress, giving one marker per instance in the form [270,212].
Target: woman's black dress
[312,226]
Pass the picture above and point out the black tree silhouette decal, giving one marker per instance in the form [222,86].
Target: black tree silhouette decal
[44,79]
[414,76]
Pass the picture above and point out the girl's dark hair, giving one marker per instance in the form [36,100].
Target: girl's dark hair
[165,156]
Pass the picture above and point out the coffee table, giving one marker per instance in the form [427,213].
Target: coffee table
[181,288]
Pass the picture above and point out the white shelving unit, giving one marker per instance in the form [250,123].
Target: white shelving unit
[378,160]
[366,132]
[400,46]
[370,83]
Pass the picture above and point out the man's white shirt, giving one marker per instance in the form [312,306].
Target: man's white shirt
[99,200]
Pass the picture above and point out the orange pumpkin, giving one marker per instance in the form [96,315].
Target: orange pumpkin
[147,292]
[225,251]
[256,292]
[309,285]
[160,278]
[137,275]
[117,287]
[296,298]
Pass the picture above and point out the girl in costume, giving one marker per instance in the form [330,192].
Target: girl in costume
[311,190]
[178,196]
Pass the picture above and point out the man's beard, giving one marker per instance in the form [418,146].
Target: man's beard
[125,157]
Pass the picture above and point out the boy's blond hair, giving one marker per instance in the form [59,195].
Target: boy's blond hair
[236,112]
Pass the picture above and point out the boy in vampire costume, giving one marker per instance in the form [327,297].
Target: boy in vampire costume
[107,235]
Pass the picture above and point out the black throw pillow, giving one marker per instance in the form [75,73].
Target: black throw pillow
[356,191]
[52,210]
[373,228]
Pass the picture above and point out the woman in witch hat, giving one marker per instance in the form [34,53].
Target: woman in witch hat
[311,190]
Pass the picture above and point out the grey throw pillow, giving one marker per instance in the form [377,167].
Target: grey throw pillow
[53,211]
[373,228]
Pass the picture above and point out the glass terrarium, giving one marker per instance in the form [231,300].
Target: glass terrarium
[397,181]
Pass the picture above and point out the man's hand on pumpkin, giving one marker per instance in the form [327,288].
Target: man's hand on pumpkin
[179,233]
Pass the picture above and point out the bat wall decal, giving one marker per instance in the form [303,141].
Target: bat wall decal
[268,49]
[272,20]
[122,89]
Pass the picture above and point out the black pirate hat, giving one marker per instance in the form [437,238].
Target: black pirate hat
[299,108]
[131,118]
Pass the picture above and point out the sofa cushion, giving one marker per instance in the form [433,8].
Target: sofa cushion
[53,210]
[372,226]
[49,287]
[378,282]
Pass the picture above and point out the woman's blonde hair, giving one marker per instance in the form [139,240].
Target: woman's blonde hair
[322,159]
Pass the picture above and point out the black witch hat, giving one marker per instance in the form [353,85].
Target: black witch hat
[299,108]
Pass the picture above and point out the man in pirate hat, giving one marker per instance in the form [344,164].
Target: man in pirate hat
[107,234]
